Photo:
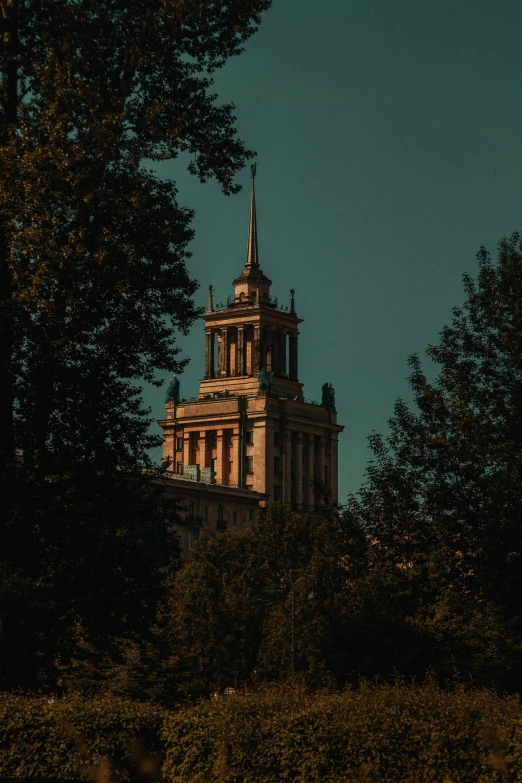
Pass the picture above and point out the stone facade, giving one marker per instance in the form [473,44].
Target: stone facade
[246,439]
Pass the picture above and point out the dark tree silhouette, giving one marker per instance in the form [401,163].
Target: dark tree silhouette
[93,288]
[443,498]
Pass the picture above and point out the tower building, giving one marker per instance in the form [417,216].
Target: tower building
[250,432]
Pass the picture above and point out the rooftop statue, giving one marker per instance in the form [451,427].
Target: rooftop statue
[173,391]
[328,399]
[266,379]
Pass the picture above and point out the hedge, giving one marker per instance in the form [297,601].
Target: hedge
[379,733]
[382,734]
[89,739]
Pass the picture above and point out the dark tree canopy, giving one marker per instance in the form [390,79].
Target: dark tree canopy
[95,242]
[443,498]
[93,291]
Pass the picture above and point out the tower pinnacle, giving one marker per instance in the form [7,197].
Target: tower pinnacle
[252,259]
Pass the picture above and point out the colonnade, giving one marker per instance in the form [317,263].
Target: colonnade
[218,449]
[301,457]
[306,457]
[245,349]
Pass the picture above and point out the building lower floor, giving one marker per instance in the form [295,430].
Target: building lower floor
[206,509]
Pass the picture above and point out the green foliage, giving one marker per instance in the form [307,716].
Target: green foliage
[377,733]
[230,616]
[96,739]
[381,734]
[422,569]
[440,575]
[94,290]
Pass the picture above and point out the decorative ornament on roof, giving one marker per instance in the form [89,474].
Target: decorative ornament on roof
[173,391]
[265,379]
[328,396]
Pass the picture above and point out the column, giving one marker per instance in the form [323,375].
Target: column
[282,358]
[224,358]
[209,355]
[207,453]
[260,457]
[299,471]
[219,337]
[287,467]
[249,350]
[311,462]
[292,368]
[232,352]
[276,353]
[240,356]
[269,457]
[334,440]
[236,458]
[321,460]
[256,351]
[268,350]
[186,450]
[219,458]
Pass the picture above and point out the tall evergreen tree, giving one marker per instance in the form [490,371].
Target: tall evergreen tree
[93,282]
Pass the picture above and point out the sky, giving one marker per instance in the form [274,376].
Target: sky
[388,140]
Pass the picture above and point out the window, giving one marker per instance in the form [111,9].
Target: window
[277,493]
[249,464]
[191,537]
[213,440]
[179,468]
[179,444]
[234,518]
[277,465]
[206,513]
[277,439]
[250,437]
[221,521]
[248,516]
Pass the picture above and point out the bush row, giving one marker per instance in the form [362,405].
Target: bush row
[378,733]
[98,739]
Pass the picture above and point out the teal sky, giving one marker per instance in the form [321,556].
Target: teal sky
[389,149]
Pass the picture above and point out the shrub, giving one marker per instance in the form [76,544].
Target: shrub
[79,738]
[382,734]
[378,733]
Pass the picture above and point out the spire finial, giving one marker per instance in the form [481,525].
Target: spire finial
[252,258]
[210,306]
[292,300]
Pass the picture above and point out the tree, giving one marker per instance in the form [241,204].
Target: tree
[229,617]
[442,502]
[93,278]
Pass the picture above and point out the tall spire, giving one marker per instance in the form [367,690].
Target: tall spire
[210,306]
[252,259]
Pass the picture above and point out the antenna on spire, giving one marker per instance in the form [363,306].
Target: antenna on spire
[252,258]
